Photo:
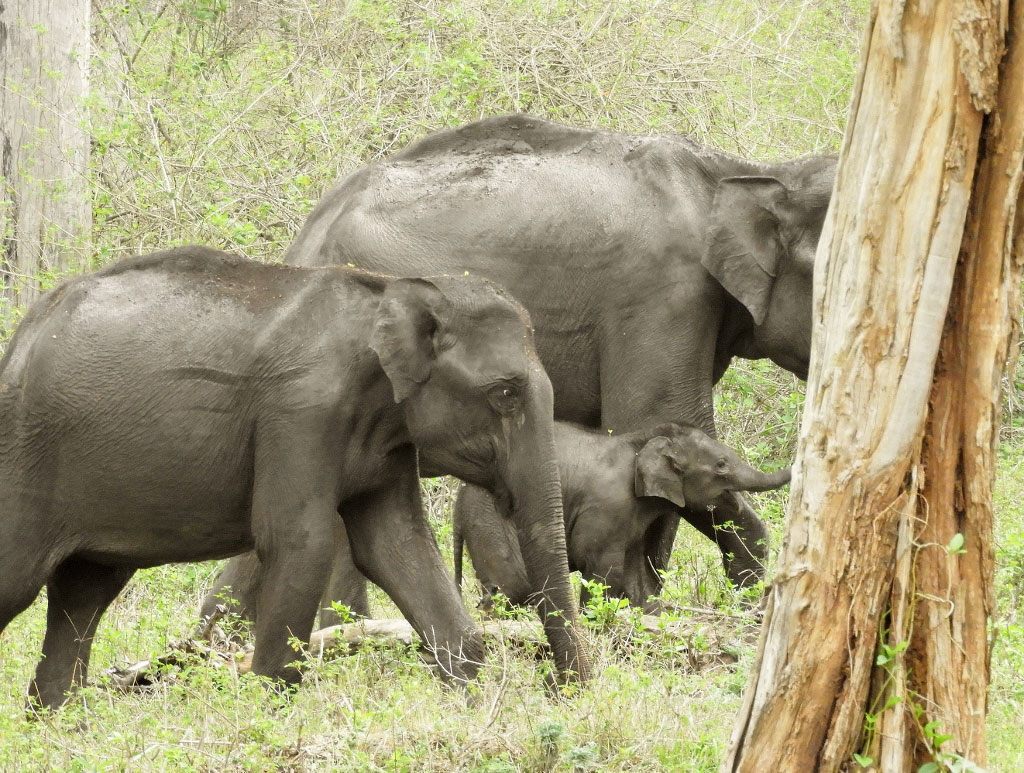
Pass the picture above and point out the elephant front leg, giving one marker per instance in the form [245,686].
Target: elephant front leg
[742,537]
[294,508]
[660,367]
[296,560]
[237,588]
[392,545]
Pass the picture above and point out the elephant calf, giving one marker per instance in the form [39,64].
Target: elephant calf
[614,487]
[188,405]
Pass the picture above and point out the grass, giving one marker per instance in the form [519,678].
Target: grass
[655,704]
[382,709]
[222,122]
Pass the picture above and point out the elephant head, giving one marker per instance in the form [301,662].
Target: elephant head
[762,237]
[691,469]
[460,356]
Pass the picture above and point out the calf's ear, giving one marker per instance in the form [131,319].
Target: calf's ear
[409,321]
[654,475]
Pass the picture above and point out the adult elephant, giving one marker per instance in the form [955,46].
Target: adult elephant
[647,263]
[188,405]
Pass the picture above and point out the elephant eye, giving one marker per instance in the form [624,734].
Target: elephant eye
[722,467]
[505,398]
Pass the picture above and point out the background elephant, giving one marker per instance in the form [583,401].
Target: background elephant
[613,488]
[646,262]
[186,405]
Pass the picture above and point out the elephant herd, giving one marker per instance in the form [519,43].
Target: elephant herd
[538,310]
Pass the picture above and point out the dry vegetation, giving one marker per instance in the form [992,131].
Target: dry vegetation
[221,121]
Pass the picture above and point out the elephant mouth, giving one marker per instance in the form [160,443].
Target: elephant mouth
[477,464]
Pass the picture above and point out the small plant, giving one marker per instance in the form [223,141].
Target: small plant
[343,612]
[600,610]
[887,654]
[863,760]
[549,733]
[956,545]
[583,757]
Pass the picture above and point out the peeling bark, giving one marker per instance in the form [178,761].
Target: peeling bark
[913,316]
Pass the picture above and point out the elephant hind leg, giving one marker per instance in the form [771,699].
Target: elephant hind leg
[236,589]
[347,583]
[78,593]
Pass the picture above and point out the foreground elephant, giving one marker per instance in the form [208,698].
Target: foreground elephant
[187,405]
[613,488]
[646,263]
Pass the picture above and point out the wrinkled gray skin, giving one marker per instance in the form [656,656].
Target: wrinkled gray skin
[613,488]
[187,405]
[646,262]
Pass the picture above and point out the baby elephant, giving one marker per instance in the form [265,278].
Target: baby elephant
[613,488]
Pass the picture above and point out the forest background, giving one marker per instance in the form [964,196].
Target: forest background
[221,122]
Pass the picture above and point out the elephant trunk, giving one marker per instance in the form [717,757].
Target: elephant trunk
[536,509]
[755,480]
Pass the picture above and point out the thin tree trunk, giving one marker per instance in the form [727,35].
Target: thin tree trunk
[45,211]
[896,455]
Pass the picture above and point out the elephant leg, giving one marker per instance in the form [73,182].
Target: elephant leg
[393,546]
[294,508]
[658,541]
[742,537]
[21,578]
[237,588]
[641,385]
[78,593]
[295,567]
[347,584]
[238,585]
[16,596]
[25,564]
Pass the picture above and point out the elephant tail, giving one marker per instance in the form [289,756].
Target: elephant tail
[457,553]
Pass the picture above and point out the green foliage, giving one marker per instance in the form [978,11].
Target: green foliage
[956,545]
[600,610]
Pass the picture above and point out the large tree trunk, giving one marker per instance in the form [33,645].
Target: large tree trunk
[875,638]
[44,149]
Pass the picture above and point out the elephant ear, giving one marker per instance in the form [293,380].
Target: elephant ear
[655,476]
[409,321]
[745,243]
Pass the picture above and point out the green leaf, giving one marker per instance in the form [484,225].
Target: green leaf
[893,700]
[956,545]
[863,760]
[929,767]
